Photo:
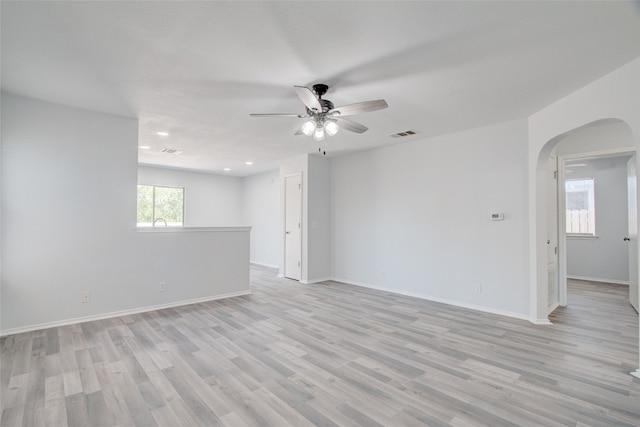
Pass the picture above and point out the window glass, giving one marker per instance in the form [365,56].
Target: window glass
[580,204]
[145,204]
[160,206]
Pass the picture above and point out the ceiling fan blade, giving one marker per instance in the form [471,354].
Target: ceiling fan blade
[350,125]
[358,107]
[308,98]
[277,115]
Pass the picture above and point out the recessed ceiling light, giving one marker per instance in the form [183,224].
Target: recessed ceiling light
[227,169]
[248,163]
[144,147]
[161,133]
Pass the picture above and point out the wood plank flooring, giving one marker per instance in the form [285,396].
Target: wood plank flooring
[330,355]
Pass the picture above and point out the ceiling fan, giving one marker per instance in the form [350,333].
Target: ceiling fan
[325,119]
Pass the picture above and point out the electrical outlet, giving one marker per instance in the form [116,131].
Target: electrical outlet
[162,287]
[86,297]
[478,288]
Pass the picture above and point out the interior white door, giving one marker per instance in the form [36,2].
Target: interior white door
[632,237]
[293,227]
[552,234]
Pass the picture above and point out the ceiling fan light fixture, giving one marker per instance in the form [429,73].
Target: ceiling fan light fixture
[318,135]
[331,128]
[308,127]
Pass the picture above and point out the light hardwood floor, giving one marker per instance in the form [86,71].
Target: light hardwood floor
[330,354]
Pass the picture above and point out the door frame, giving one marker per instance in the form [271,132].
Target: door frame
[632,232]
[556,263]
[562,200]
[284,223]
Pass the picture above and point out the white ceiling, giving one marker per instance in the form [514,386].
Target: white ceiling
[197,69]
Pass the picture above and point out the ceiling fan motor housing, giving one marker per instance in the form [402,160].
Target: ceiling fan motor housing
[320,89]
[326,106]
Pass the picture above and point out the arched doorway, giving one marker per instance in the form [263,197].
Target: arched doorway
[625,141]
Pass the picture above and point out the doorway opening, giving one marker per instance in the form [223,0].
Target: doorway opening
[601,138]
[593,218]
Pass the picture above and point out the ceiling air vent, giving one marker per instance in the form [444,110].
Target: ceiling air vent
[404,134]
[171,151]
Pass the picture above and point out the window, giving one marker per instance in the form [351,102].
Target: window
[581,212]
[160,206]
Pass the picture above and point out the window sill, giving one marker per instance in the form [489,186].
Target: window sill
[582,236]
[190,229]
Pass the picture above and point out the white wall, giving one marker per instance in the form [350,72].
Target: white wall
[414,218]
[210,200]
[606,257]
[261,210]
[69,213]
[319,219]
[603,136]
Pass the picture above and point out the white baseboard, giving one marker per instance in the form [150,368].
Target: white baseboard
[596,279]
[540,322]
[636,373]
[310,281]
[263,264]
[438,299]
[129,312]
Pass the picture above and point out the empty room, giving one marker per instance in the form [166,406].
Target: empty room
[319,213]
